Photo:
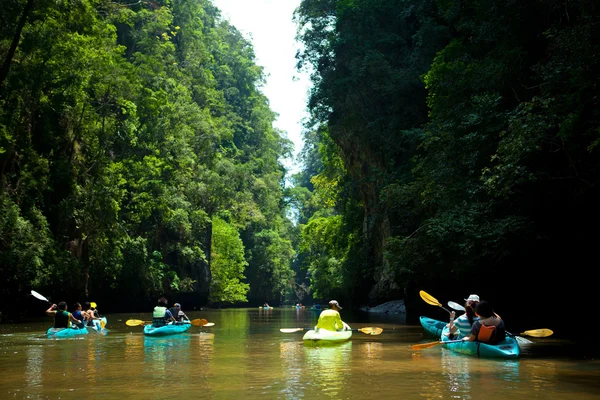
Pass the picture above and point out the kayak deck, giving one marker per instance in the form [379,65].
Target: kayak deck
[170,329]
[325,336]
[432,327]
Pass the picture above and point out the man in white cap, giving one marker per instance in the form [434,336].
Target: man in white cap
[462,326]
[330,319]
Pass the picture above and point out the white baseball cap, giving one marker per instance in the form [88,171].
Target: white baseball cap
[473,297]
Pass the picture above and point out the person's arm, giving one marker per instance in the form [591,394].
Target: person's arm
[182,315]
[74,319]
[169,315]
[52,310]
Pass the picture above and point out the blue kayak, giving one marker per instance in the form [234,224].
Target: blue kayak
[66,332]
[432,327]
[170,329]
[508,348]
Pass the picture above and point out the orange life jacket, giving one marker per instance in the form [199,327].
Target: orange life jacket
[486,333]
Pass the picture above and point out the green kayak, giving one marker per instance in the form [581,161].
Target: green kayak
[432,327]
[325,336]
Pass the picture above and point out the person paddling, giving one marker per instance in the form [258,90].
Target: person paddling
[161,315]
[331,320]
[490,328]
[178,314]
[461,327]
[62,318]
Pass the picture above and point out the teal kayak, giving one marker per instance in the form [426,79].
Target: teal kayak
[508,348]
[97,325]
[170,329]
[432,327]
[66,332]
[325,336]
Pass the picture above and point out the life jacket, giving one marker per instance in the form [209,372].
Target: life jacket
[158,316]
[61,319]
[487,333]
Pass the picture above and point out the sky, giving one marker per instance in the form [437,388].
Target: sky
[268,25]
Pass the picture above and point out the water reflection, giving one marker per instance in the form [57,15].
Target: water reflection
[327,367]
[34,370]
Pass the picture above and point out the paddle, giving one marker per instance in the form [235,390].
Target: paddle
[39,296]
[429,299]
[456,306]
[432,344]
[368,330]
[195,322]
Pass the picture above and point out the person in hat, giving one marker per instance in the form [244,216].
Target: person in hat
[178,314]
[461,326]
[489,328]
[330,319]
[62,318]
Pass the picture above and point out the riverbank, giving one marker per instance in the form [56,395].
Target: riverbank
[391,307]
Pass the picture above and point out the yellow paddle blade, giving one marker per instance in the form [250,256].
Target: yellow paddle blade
[103,324]
[291,330]
[538,333]
[429,299]
[134,322]
[92,304]
[371,330]
[199,322]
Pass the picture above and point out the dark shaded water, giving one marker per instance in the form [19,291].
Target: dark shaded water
[245,356]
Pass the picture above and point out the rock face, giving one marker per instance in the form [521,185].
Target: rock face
[391,307]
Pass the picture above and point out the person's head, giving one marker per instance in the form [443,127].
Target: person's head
[162,302]
[484,309]
[76,306]
[86,305]
[177,305]
[62,305]
[335,305]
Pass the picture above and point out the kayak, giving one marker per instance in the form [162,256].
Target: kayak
[508,348]
[325,336]
[97,326]
[170,329]
[266,308]
[432,327]
[66,332]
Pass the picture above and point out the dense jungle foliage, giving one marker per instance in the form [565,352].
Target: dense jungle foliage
[452,146]
[138,157]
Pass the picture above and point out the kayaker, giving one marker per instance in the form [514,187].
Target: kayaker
[331,319]
[62,318]
[161,315]
[90,317]
[490,328]
[462,325]
[177,313]
[79,314]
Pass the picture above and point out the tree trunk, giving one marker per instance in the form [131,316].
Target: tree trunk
[13,47]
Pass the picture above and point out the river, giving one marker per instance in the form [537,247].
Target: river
[245,356]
